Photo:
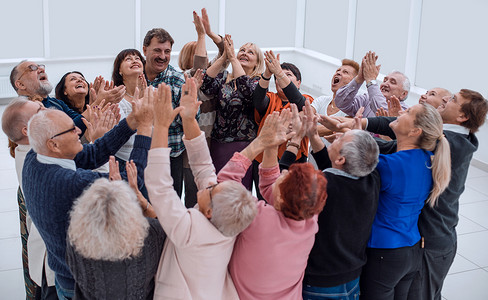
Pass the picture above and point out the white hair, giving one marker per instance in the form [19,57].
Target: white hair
[233,208]
[107,222]
[361,153]
[40,128]
[405,83]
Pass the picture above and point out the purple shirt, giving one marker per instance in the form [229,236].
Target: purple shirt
[349,101]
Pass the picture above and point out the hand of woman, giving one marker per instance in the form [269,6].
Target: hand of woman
[189,100]
[298,124]
[229,47]
[272,62]
[199,27]
[164,114]
[113,167]
[141,84]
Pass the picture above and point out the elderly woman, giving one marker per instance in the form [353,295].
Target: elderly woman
[193,56]
[112,249]
[413,176]
[270,256]
[200,240]
[234,127]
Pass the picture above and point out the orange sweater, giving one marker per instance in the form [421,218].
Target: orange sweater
[276,104]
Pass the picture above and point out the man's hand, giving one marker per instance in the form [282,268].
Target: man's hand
[101,121]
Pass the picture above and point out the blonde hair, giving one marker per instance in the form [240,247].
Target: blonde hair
[259,68]
[233,208]
[107,222]
[432,139]
[185,59]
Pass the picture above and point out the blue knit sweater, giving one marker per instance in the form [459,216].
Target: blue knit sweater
[50,190]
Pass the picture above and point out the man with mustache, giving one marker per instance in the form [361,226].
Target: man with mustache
[157,47]
[395,84]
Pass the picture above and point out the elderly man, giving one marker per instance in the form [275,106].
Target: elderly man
[462,114]
[14,124]
[353,186]
[59,168]
[394,84]
[157,47]
[30,79]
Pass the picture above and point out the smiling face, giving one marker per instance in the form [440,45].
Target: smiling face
[393,86]
[66,145]
[405,123]
[31,83]
[341,77]
[131,65]
[450,109]
[248,57]
[75,85]
[434,96]
[157,55]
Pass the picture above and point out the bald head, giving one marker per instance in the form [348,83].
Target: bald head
[435,96]
[16,116]
[30,79]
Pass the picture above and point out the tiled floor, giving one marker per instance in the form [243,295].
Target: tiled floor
[467,279]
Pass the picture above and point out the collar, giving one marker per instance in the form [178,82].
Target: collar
[340,173]
[23,148]
[62,162]
[456,128]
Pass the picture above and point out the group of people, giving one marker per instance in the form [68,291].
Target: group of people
[102,166]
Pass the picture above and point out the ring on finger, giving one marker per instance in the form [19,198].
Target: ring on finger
[185,92]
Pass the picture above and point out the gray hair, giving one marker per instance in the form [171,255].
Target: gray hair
[406,82]
[107,222]
[40,128]
[361,153]
[14,73]
[233,208]
[14,119]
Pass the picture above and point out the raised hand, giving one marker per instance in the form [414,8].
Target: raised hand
[272,62]
[107,91]
[113,167]
[298,124]
[189,100]
[370,69]
[198,76]
[311,120]
[141,84]
[229,47]
[141,117]
[394,106]
[275,129]
[130,167]
[199,26]
[381,112]
[164,114]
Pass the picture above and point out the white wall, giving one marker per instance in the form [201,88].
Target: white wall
[437,43]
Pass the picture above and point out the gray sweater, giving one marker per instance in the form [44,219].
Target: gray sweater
[131,278]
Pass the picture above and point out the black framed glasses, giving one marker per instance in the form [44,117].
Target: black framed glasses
[66,131]
[210,189]
[32,68]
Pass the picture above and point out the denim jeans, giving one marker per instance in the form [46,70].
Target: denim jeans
[346,291]
[63,294]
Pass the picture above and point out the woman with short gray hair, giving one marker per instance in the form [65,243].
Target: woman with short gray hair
[112,249]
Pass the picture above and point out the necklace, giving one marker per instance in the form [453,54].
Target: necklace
[132,96]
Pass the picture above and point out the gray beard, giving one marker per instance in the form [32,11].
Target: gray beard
[44,88]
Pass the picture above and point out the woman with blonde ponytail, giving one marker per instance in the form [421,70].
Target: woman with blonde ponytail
[416,174]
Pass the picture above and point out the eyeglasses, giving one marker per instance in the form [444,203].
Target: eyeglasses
[32,68]
[66,131]
[453,99]
[210,189]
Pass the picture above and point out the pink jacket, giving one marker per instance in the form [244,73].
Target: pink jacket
[270,256]
[195,256]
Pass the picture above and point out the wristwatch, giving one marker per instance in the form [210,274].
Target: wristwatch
[371,83]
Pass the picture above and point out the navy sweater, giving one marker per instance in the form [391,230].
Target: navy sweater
[339,251]
[50,102]
[50,190]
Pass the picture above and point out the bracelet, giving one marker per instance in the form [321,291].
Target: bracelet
[292,144]
[267,79]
